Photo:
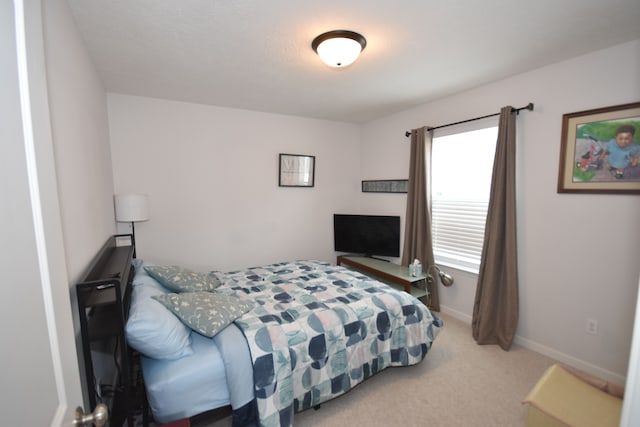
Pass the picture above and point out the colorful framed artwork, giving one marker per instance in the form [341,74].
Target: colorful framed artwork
[600,151]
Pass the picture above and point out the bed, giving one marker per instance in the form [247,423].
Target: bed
[294,335]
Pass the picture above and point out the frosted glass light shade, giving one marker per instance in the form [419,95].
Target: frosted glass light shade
[131,207]
[339,48]
[339,52]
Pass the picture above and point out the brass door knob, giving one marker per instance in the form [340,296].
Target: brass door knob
[98,417]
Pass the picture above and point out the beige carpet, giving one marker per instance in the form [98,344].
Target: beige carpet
[458,384]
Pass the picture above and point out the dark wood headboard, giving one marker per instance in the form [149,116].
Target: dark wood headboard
[104,295]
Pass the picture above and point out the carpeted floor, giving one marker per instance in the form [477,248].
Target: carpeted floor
[458,384]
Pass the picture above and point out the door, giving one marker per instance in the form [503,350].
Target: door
[39,365]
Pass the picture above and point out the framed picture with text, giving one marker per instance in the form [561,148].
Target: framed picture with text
[296,170]
[385,186]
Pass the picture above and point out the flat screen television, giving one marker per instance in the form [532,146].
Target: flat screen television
[367,235]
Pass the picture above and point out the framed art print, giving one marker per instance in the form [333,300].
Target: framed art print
[296,170]
[600,151]
[385,186]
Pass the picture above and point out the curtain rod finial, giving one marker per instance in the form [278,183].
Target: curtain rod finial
[530,106]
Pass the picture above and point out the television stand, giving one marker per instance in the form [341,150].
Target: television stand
[371,257]
[392,274]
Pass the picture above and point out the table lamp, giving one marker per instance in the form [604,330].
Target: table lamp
[132,208]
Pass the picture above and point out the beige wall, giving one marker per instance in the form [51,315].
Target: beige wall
[78,106]
[82,161]
[211,176]
[578,253]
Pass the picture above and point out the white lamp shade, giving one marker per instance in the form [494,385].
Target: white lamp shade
[131,207]
[339,52]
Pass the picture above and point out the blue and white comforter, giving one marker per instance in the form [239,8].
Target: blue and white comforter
[319,329]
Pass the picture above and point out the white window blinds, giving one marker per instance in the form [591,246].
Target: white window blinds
[458,232]
[461,169]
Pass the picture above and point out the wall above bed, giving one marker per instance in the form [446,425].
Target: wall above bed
[213,190]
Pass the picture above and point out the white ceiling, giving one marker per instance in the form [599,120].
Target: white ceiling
[257,55]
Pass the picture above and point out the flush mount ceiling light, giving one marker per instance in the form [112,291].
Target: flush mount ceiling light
[339,48]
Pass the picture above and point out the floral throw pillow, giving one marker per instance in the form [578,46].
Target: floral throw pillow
[178,279]
[207,313]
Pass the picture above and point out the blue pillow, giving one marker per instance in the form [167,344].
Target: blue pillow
[141,276]
[151,329]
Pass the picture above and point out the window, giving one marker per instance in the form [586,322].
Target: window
[461,169]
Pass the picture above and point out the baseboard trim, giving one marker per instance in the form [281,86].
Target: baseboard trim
[571,361]
[457,314]
[549,352]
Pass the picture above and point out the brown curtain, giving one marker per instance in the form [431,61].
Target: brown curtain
[417,229]
[495,312]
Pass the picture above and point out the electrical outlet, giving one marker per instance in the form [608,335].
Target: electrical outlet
[591,326]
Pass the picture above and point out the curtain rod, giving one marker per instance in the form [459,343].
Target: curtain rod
[529,107]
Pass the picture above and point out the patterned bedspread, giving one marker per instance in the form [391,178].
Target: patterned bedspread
[319,329]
